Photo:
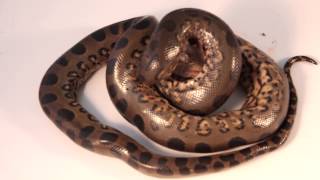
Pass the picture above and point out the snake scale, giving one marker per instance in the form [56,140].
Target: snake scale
[166,79]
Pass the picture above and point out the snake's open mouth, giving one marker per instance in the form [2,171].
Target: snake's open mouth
[191,60]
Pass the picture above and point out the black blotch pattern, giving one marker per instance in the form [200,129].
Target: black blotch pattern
[144,23]
[145,157]
[138,122]
[180,162]
[78,49]
[48,98]
[199,168]
[165,171]
[184,171]
[234,162]
[65,114]
[218,165]
[162,161]
[112,91]
[263,144]
[110,65]
[131,147]
[122,43]
[169,25]
[62,61]
[237,141]
[70,134]
[122,105]
[99,35]
[46,110]
[205,160]
[231,39]
[108,137]
[49,79]
[228,157]
[176,143]
[286,125]
[276,139]
[86,131]
[114,29]
[202,148]
[127,24]
[86,144]
[246,152]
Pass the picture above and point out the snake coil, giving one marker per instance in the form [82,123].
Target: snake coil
[167,79]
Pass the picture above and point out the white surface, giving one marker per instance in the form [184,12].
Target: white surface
[34,33]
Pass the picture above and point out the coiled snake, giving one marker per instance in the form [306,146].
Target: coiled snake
[167,79]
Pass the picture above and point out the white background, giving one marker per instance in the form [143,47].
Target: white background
[34,33]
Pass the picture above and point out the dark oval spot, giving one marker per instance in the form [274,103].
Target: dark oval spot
[46,110]
[286,125]
[193,14]
[237,141]
[65,114]
[202,148]
[70,134]
[199,168]
[144,23]
[166,171]
[110,65]
[138,122]
[205,160]
[181,162]
[162,161]
[99,35]
[48,98]
[176,143]
[131,147]
[234,162]
[218,165]
[122,43]
[231,39]
[276,139]
[122,105]
[127,24]
[169,25]
[263,144]
[114,29]
[184,171]
[62,61]
[86,144]
[246,151]
[49,79]
[86,131]
[145,157]
[228,157]
[112,91]
[108,137]
[78,49]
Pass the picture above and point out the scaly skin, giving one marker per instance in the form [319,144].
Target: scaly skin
[267,87]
